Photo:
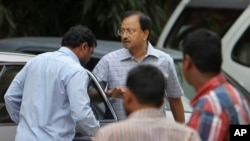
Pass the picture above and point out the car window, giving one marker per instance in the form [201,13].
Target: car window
[218,20]
[99,105]
[241,52]
[99,102]
[187,88]
[7,74]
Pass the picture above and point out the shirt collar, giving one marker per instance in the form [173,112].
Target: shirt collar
[146,113]
[151,51]
[210,85]
[70,53]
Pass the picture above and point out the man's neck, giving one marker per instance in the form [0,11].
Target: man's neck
[139,53]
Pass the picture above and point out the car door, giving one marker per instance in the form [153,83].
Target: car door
[236,51]
[100,105]
[7,73]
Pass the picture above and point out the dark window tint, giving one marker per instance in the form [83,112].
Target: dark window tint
[98,103]
[7,74]
[241,51]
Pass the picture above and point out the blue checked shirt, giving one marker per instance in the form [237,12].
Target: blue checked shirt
[48,97]
[113,69]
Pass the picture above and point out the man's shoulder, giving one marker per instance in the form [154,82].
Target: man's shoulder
[219,95]
[114,126]
[115,54]
[160,53]
[62,61]
[41,57]
[127,126]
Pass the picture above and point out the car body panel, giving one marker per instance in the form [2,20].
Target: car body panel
[235,69]
[7,131]
[14,57]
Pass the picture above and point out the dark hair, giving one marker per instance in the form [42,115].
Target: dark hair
[147,83]
[145,20]
[78,34]
[204,47]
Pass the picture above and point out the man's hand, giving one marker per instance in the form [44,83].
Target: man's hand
[117,92]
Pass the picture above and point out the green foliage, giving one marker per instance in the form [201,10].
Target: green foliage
[7,25]
[107,14]
[54,17]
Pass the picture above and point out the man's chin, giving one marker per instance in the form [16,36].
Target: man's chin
[127,112]
[126,46]
[83,63]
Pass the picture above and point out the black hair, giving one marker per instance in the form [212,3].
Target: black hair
[145,20]
[204,48]
[77,35]
[147,84]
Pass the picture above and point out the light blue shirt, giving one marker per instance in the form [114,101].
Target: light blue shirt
[113,68]
[48,97]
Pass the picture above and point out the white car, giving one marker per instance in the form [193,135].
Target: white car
[230,19]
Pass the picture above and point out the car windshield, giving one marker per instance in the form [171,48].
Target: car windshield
[218,20]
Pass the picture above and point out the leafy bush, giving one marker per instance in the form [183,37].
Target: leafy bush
[54,17]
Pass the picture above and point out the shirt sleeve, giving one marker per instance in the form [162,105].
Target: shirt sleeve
[14,93]
[79,100]
[173,86]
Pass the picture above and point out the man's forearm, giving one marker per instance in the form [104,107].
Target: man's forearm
[177,109]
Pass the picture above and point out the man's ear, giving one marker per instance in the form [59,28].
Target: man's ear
[187,62]
[84,46]
[146,34]
[128,97]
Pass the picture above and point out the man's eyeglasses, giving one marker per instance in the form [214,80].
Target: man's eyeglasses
[122,31]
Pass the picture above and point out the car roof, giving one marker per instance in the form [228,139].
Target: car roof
[37,45]
[227,4]
[14,57]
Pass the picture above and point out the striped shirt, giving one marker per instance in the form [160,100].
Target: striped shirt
[146,125]
[48,97]
[113,69]
[218,104]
